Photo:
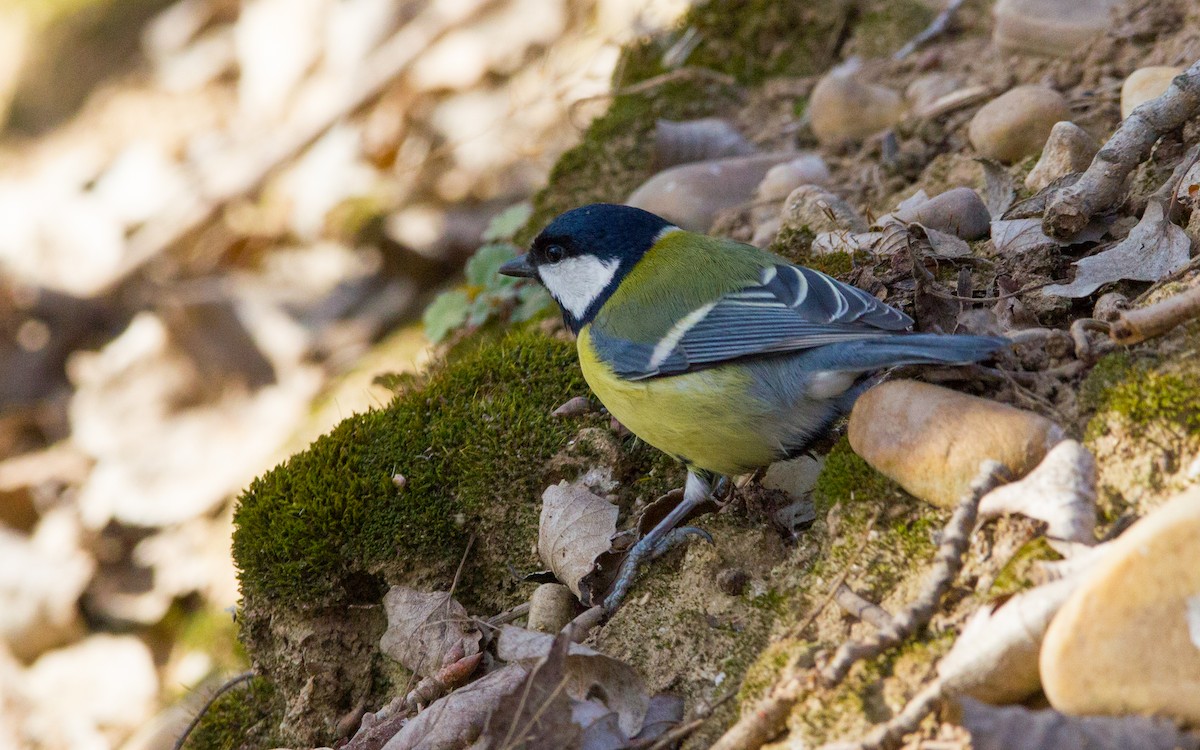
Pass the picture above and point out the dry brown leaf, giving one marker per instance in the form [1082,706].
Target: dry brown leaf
[576,527]
[1017,236]
[423,627]
[995,659]
[1004,728]
[1154,248]
[458,719]
[587,672]
[999,188]
[537,715]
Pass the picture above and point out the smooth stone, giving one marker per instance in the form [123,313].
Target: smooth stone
[692,195]
[766,232]
[782,179]
[551,607]
[697,140]
[1049,28]
[1017,123]
[1145,84]
[932,440]
[1068,149]
[812,208]
[1128,640]
[845,110]
[928,88]
[958,211]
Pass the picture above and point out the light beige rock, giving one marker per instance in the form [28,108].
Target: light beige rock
[1017,123]
[817,210]
[958,211]
[1145,84]
[928,88]
[844,109]
[1049,28]
[932,440]
[551,607]
[692,195]
[1068,149]
[1128,640]
[782,179]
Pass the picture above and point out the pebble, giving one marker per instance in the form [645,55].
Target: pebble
[1068,149]
[551,607]
[697,140]
[817,210]
[1049,28]
[1017,123]
[692,195]
[958,211]
[782,179]
[928,88]
[1128,640]
[932,440]
[1145,84]
[845,110]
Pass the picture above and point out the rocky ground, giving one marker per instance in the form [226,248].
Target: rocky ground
[895,590]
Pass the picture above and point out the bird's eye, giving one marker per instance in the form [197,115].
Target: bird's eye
[555,253]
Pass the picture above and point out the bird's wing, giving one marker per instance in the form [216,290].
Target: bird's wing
[791,308]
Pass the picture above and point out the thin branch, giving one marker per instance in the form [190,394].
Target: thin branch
[1136,326]
[1101,186]
[862,609]
[948,561]
[225,688]
[936,28]
[890,735]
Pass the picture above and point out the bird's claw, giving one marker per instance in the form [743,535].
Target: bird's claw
[643,551]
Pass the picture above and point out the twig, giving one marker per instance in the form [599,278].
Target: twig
[936,28]
[225,688]
[1135,326]
[1100,187]
[584,623]
[890,734]
[769,715]
[862,609]
[956,538]
[508,615]
[701,715]
[997,298]
[1083,346]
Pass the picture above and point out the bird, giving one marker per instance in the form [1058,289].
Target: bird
[726,356]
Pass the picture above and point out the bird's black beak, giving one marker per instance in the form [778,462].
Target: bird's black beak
[520,267]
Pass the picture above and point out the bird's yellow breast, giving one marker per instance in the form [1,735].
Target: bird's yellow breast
[706,418]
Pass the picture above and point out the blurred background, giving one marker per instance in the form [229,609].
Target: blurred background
[219,219]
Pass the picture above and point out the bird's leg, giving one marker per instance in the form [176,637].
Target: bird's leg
[695,491]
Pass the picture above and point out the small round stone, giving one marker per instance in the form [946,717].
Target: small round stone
[551,607]
[958,211]
[1049,28]
[1068,149]
[1017,123]
[845,110]
[1145,84]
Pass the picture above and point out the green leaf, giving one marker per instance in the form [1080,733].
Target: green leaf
[532,299]
[481,310]
[506,223]
[447,312]
[483,269]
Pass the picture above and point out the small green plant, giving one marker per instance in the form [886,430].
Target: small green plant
[486,294]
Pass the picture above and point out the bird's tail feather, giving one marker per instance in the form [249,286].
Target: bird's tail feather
[911,349]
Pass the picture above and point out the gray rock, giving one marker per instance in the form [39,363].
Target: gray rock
[959,211]
[1049,28]
[1017,123]
[692,195]
[812,208]
[1068,149]
[697,140]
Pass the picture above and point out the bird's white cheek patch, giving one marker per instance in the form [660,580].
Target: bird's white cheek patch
[577,282]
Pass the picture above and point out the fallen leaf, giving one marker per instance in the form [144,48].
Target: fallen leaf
[664,714]
[588,674]
[576,527]
[458,719]
[943,244]
[601,727]
[423,627]
[844,242]
[1002,728]
[1017,236]
[536,715]
[999,189]
[1154,248]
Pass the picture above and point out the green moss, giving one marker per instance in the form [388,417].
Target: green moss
[472,443]
[1141,398]
[884,26]
[1015,575]
[846,478]
[768,666]
[242,719]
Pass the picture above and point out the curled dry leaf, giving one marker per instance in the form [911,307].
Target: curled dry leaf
[1001,728]
[1019,236]
[1155,248]
[457,720]
[1061,491]
[999,188]
[587,673]
[995,659]
[576,527]
[844,242]
[537,714]
[424,627]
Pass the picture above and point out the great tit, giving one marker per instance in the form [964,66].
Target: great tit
[721,354]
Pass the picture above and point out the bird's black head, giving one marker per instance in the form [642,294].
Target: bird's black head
[583,255]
